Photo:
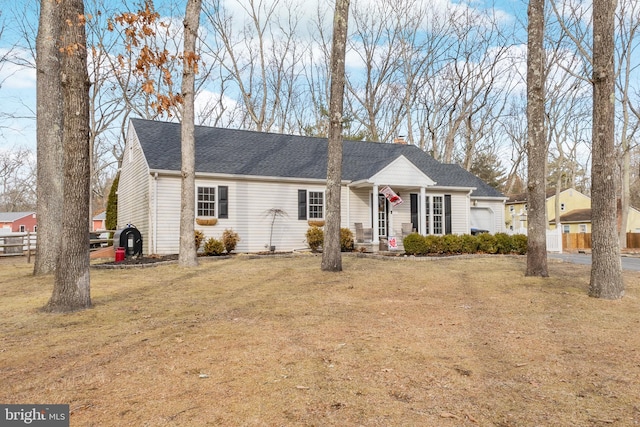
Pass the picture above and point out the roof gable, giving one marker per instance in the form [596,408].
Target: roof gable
[260,154]
[401,172]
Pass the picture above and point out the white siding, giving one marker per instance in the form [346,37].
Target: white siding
[133,189]
[249,203]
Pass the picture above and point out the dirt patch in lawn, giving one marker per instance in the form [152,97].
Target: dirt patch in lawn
[274,341]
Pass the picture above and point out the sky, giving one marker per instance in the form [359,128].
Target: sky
[18,82]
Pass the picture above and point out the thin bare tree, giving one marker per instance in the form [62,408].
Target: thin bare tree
[188,256]
[331,255]
[536,144]
[606,270]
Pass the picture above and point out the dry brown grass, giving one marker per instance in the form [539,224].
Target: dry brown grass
[275,341]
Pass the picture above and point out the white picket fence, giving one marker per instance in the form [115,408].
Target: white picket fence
[554,238]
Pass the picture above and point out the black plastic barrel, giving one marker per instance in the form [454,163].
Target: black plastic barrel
[130,239]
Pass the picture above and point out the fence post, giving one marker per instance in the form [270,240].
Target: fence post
[28,247]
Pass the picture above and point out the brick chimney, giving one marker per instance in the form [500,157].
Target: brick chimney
[399,140]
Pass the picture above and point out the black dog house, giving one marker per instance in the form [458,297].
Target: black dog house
[130,239]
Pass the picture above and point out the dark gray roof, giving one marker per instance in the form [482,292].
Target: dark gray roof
[241,152]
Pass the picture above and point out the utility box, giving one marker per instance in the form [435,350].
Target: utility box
[130,239]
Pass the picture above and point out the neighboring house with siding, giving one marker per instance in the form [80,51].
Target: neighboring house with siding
[241,175]
[575,212]
[18,222]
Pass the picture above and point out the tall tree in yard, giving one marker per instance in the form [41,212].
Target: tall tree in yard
[606,270]
[188,256]
[71,289]
[331,256]
[536,144]
[49,135]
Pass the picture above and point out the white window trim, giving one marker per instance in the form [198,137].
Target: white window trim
[324,205]
[215,201]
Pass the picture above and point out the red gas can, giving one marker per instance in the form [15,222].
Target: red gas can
[119,254]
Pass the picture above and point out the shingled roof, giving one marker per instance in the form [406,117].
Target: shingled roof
[241,152]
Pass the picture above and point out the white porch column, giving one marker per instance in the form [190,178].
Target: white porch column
[376,230]
[422,219]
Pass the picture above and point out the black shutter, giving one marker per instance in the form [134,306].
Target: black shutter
[223,201]
[302,204]
[414,211]
[447,214]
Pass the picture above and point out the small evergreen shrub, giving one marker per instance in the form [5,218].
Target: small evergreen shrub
[199,238]
[213,247]
[503,243]
[451,244]
[414,244]
[469,244]
[433,244]
[230,240]
[315,238]
[519,243]
[346,240]
[487,243]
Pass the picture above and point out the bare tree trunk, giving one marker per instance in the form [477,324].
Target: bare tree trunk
[188,255]
[49,134]
[536,145]
[606,270]
[71,289]
[331,255]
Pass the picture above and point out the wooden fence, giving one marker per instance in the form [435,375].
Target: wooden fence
[579,241]
[25,244]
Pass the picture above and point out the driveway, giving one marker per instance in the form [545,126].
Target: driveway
[631,263]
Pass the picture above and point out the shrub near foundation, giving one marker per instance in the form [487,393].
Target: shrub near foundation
[230,240]
[346,240]
[450,244]
[414,244]
[213,246]
[315,238]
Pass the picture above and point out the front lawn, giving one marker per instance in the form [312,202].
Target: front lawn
[274,341]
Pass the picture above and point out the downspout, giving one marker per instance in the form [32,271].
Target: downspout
[155,213]
[374,202]
[422,217]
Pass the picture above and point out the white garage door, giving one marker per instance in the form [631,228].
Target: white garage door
[482,218]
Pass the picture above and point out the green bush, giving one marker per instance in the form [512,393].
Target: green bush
[414,244]
[315,238]
[503,243]
[469,244]
[451,244]
[519,243]
[487,243]
[346,240]
[199,238]
[213,247]
[433,244]
[230,240]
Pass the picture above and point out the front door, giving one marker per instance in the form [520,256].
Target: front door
[383,216]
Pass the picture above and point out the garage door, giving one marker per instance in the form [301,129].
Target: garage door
[482,218]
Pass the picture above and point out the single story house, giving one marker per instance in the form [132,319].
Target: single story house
[243,176]
[18,222]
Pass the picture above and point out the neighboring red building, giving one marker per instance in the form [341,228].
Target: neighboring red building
[98,221]
[18,221]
